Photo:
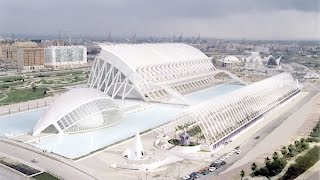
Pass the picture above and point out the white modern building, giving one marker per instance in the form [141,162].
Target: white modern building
[254,60]
[151,72]
[79,110]
[65,56]
[223,117]
[228,62]
[153,80]
[273,62]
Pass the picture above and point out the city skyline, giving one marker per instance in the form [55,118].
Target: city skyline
[234,19]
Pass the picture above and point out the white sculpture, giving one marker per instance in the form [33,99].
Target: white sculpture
[136,152]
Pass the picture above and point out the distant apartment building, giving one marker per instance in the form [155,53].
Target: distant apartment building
[60,57]
[30,59]
[8,52]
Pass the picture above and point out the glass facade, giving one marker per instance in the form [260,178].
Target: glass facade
[92,115]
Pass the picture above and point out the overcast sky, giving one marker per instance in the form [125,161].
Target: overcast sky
[251,19]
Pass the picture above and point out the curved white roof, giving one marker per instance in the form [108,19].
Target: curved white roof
[270,60]
[66,103]
[231,59]
[137,55]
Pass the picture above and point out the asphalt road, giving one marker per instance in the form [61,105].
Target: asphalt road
[58,168]
[246,146]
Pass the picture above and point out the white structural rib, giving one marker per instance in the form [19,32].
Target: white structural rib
[223,117]
[79,110]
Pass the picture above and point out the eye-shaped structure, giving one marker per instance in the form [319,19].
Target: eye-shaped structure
[79,110]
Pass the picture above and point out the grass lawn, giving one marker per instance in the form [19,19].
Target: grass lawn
[303,163]
[1,95]
[22,95]
[45,176]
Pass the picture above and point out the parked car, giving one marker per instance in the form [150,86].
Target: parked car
[211,169]
[194,174]
[257,137]
[186,177]
[238,151]
[234,150]
[223,163]
[217,166]
[205,172]
[217,161]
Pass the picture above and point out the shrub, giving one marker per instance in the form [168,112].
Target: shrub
[284,151]
[316,131]
[272,168]
[312,139]
[174,141]
[253,166]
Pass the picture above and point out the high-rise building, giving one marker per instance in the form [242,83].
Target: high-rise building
[8,52]
[30,59]
[65,56]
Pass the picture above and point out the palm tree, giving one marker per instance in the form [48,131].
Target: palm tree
[267,161]
[253,166]
[275,156]
[290,148]
[242,174]
[284,151]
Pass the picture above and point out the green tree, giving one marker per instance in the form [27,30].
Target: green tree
[253,166]
[284,151]
[267,161]
[291,148]
[275,156]
[242,173]
[298,146]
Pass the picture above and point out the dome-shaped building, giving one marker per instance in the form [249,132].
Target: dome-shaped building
[79,110]
[273,62]
[254,60]
[232,59]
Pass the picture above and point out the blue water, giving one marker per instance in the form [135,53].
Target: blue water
[76,145]
[19,123]
[209,93]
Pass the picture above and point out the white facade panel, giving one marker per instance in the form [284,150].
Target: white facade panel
[65,55]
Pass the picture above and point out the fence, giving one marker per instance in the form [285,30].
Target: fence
[26,106]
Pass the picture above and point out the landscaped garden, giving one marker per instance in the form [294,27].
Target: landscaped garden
[45,176]
[22,95]
[297,157]
[303,163]
[176,142]
[17,89]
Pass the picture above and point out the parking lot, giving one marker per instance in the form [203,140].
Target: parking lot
[214,167]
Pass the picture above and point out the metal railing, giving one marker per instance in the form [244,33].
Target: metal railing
[26,106]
